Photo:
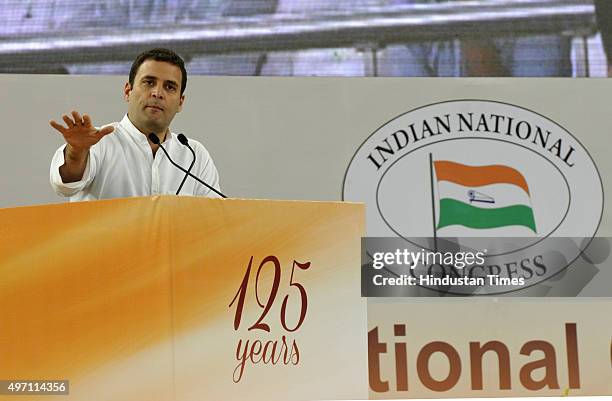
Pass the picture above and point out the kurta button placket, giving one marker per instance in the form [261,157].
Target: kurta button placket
[155,180]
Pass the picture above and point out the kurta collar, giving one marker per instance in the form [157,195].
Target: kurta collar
[135,133]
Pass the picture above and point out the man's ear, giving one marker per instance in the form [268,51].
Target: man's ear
[181,101]
[126,91]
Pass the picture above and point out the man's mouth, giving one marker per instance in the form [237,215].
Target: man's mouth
[154,107]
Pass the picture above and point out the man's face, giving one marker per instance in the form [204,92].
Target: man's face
[155,97]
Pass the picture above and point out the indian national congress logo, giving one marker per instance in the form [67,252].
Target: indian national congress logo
[483,172]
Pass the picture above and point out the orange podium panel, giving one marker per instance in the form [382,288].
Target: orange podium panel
[184,298]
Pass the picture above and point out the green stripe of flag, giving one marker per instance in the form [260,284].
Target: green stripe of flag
[455,212]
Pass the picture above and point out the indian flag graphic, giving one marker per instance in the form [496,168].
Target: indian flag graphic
[482,196]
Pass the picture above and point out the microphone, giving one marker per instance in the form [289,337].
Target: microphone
[183,139]
[153,138]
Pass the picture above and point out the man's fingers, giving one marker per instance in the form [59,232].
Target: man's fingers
[57,126]
[106,130]
[78,120]
[81,133]
[68,121]
[87,120]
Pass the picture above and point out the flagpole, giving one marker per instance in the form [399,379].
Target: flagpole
[433,204]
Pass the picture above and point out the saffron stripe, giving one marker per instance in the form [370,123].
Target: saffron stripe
[472,176]
[454,212]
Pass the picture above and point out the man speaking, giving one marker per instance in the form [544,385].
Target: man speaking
[122,159]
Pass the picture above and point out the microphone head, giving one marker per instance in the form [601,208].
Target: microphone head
[183,139]
[153,138]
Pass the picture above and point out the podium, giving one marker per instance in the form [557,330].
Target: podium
[184,298]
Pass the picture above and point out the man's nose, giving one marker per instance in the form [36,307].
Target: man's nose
[158,91]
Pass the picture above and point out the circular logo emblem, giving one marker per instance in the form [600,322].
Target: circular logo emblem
[498,176]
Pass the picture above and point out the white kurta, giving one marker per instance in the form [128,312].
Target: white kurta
[122,165]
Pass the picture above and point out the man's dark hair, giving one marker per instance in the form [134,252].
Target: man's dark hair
[159,54]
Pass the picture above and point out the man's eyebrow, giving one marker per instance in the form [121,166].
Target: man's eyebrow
[169,81]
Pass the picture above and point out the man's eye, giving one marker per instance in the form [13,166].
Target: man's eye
[170,88]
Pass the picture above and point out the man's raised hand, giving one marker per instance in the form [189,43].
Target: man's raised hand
[79,132]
